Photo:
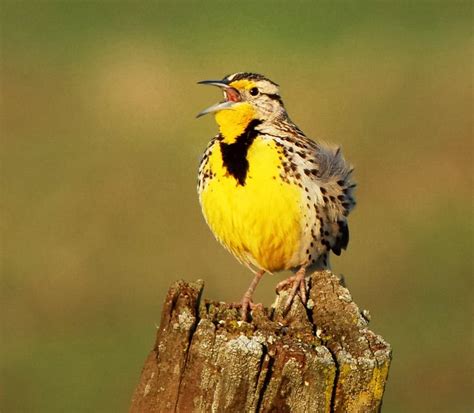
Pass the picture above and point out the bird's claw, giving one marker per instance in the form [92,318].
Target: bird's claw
[246,305]
[298,286]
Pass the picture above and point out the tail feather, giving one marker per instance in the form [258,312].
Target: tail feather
[337,186]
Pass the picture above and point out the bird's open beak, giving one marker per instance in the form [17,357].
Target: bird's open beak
[231,95]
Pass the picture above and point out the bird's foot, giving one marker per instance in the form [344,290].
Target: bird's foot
[247,302]
[298,285]
[247,305]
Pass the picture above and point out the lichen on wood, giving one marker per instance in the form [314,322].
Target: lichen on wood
[315,358]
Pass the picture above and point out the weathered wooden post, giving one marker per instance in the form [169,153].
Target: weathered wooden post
[318,358]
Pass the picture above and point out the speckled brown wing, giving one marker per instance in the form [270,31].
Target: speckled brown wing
[324,176]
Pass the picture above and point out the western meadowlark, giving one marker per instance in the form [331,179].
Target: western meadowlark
[274,198]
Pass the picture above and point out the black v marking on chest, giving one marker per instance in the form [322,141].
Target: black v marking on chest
[234,155]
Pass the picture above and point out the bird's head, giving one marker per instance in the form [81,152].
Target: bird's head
[247,97]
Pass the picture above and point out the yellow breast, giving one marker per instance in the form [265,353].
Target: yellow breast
[260,221]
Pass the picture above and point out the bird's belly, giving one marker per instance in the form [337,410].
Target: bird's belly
[260,221]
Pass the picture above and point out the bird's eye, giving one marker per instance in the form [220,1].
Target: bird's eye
[254,91]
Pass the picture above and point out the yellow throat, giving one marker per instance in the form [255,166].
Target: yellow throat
[233,122]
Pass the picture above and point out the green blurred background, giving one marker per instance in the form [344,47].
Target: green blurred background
[100,148]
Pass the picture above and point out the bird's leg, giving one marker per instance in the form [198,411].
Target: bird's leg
[298,284]
[247,298]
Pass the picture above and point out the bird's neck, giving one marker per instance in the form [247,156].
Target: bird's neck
[233,122]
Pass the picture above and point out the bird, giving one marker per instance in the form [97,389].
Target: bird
[276,199]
